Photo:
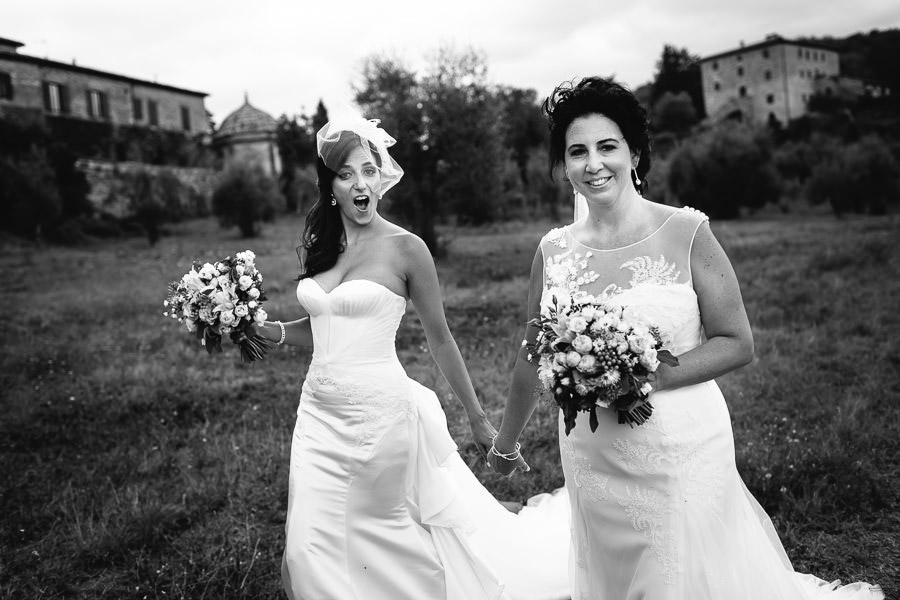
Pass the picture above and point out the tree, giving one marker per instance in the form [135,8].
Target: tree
[723,170]
[678,70]
[674,112]
[244,197]
[463,132]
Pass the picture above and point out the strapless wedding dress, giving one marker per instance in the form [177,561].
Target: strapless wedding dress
[380,505]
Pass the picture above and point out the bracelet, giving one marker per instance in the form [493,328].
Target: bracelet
[283,332]
[514,455]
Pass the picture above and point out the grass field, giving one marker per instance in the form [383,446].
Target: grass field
[133,465]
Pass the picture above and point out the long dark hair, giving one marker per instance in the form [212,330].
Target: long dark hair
[595,95]
[321,242]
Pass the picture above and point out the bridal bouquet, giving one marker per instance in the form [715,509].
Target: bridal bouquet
[222,298]
[593,354]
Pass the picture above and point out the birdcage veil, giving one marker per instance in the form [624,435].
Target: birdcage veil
[346,130]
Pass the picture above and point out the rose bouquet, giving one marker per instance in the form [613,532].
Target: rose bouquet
[592,354]
[222,298]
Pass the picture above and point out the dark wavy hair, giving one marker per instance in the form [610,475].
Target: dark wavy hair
[595,95]
[323,235]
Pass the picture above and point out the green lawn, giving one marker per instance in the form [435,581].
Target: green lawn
[136,466]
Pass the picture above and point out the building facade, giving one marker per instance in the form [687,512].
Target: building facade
[772,80]
[67,90]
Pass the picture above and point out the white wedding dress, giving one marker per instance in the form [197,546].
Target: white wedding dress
[659,511]
[380,504]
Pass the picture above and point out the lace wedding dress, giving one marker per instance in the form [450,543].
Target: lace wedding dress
[380,505]
[659,511]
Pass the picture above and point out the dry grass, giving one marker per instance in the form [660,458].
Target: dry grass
[136,466]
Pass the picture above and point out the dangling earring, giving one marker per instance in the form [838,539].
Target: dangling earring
[333,200]
[634,175]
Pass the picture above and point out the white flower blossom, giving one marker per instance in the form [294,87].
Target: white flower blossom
[582,344]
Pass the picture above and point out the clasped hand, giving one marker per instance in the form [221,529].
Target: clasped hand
[506,463]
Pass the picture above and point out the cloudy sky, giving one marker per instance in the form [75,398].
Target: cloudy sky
[287,54]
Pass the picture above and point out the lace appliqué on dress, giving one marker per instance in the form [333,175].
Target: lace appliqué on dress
[557,237]
[379,406]
[648,510]
[569,271]
[646,270]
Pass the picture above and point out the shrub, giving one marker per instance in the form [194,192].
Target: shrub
[860,177]
[723,170]
[29,198]
[244,197]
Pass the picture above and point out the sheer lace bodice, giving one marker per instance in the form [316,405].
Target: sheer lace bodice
[651,277]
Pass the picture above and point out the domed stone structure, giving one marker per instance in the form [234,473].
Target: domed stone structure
[247,137]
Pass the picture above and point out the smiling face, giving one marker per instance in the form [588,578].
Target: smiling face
[597,159]
[356,187]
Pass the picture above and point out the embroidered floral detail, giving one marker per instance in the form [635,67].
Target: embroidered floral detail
[379,406]
[594,484]
[648,510]
[639,457]
[694,210]
[569,271]
[645,270]
[557,237]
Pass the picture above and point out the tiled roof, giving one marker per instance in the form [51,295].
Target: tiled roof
[247,119]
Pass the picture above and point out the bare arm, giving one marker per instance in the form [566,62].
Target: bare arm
[425,293]
[729,340]
[521,401]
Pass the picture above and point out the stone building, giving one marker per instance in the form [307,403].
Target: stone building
[770,80]
[248,137]
[60,89]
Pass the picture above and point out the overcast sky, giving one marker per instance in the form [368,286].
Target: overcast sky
[287,54]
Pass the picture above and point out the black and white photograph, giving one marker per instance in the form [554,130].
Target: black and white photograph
[472,301]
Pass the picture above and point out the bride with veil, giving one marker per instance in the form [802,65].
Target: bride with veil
[380,504]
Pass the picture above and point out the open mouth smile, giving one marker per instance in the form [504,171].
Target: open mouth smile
[599,183]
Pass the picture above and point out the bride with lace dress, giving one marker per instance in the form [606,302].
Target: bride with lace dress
[658,511]
[380,504]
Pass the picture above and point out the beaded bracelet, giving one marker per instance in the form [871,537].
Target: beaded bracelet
[514,455]
[283,333]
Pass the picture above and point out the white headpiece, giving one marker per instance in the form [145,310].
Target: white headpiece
[349,128]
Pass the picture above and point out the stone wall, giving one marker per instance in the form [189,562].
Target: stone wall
[188,191]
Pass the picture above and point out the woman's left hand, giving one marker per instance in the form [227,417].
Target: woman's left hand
[483,432]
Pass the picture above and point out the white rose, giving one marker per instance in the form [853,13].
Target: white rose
[222,267]
[241,310]
[649,360]
[582,344]
[646,388]
[206,315]
[253,303]
[244,282]
[636,344]
[253,293]
[225,329]
[572,358]
[226,317]
[587,364]
[577,324]
[224,280]
[208,271]
[239,269]
[260,316]
[581,389]
[589,312]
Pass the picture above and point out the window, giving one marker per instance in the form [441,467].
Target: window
[56,97]
[768,75]
[6,88]
[137,109]
[799,52]
[765,53]
[807,55]
[715,65]
[742,91]
[98,105]
[770,99]
[740,71]
[740,58]
[185,118]
[717,86]
[153,112]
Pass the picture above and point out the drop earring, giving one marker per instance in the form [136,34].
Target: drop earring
[634,176]
[333,200]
